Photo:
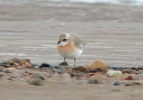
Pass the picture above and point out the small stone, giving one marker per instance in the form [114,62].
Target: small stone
[37,76]
[98,64]
[117,68]
[95,70]
[80,69]
[27,60]
[12,77]
[64,63]
[129,78]
[140,68]
[15,60]
[36,82]
[7,71]
[94,81]
[1,75]
[134,68]
[127,71]
[26,73]
[113,73]
[1,69]
[127,84]
[133,84]
[24,64]
[45,65]
[81,82]
[140,71]
[136,83]
[56,69]
[10,62]
[135,72]
[117,84]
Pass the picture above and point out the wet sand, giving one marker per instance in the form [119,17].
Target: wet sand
[29,30]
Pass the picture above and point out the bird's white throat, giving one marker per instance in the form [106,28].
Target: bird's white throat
[62,43]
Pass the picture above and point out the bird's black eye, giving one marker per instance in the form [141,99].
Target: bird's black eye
[64,39]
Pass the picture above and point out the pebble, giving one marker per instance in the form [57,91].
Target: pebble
[37,76]
[24,64]
[7,71]
[56,69]
[129,78]
[1,75]
[80,69]
[45,65]
[36,82]
[64,63]
[127,71]
[98,64]
[140,68]
[113,73]
[117,68]
[134,68]
[81,82]
[94,81]
[117,84]
[95,70]
[1,69]
[133,84]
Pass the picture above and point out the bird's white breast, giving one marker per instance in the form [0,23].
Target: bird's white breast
[71,55]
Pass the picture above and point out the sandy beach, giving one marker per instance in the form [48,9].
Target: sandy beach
[113,33]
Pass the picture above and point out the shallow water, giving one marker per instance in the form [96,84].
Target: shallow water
[118,2]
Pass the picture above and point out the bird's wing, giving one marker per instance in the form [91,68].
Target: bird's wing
[77,40]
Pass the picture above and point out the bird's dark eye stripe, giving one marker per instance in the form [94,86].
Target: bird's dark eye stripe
[64,39]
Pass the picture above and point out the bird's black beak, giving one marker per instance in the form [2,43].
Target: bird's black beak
[59,42]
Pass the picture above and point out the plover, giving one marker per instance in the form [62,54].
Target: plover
[70,46]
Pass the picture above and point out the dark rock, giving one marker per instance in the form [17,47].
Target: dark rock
[10,79]
[95,70]
[136,83]
[45,65]
[73,74]
[140,68]
[117,84]
[56,69]
[127,84]
[117,68]
[133,84]
[127,71]
[134,68]
[80,69]
[3,63]
[64,63]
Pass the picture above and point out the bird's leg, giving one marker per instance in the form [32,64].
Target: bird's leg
[64,59]
[74,62]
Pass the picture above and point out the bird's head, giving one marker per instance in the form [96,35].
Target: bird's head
[63,39]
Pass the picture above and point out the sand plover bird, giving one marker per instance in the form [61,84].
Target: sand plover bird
[70,46]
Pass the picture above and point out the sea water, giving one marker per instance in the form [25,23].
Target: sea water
[120,2]
[124,2]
